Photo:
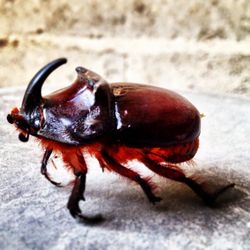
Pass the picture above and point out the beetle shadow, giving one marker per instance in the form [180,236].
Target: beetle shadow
[184,195]
[128,206]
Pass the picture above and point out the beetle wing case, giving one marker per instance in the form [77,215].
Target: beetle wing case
[151,116]
[79,113]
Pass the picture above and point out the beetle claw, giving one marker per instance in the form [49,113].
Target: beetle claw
[44,168]
[75,211]
[57,184]
[90,220]
[45,173]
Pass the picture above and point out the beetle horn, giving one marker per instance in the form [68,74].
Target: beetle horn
[33,95]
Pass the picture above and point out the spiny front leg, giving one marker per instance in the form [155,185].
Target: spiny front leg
[76,196]
[77,162]
[111,163]
[44,167]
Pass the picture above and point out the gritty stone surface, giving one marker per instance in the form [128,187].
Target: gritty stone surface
[33,213]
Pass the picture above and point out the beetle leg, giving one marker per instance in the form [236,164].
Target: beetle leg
[44,167]
[77,162]
[176,174]
[76,196]
[111,163]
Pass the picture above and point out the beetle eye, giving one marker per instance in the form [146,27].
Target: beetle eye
[10,119]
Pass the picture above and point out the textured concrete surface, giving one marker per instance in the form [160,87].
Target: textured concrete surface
[33,213]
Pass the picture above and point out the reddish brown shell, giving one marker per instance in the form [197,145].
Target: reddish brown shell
[151,116]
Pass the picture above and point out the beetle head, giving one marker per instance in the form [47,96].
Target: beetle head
[28,119]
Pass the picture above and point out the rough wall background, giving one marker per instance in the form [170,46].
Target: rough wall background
[200,45]
[194,19]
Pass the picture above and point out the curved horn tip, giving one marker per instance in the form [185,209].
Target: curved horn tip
[62,59]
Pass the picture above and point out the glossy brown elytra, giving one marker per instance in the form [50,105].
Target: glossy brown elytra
[115,123]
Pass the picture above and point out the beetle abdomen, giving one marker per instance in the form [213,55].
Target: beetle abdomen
[176,153]
[171,154]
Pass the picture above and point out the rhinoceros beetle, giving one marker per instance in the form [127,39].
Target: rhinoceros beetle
[115,123]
